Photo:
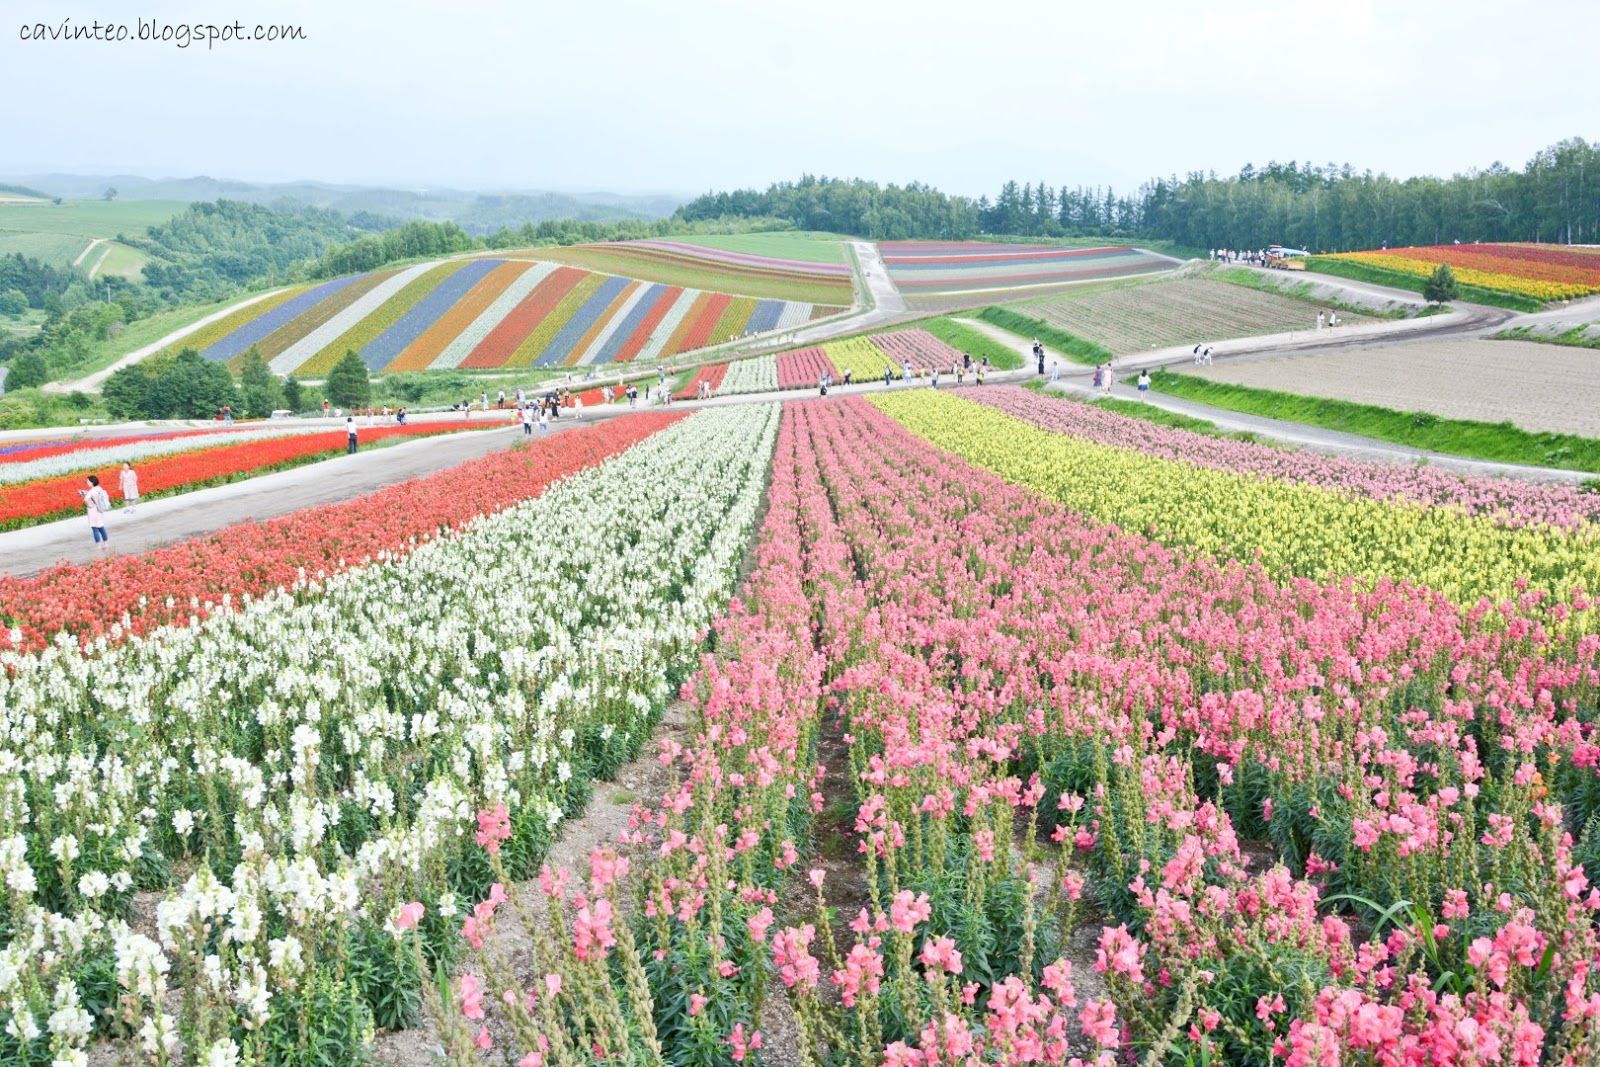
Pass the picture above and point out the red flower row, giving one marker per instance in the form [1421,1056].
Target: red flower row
[171,584]
[712,373]
[28,503]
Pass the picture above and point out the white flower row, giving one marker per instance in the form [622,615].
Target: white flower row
[91,460]
[468,339]
[758,375]
[326,748]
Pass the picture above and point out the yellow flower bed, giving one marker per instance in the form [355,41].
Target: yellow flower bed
[860,356]
[1294,530]
[1504,283]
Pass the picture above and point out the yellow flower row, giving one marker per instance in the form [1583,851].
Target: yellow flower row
[1504,283]
[1294,530]
[858,355]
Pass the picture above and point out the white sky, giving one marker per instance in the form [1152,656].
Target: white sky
[688,95]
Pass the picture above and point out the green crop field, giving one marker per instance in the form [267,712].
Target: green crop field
[809,245]
[116,258]
[56,233]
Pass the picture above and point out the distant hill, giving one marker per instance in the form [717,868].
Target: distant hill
[475,212]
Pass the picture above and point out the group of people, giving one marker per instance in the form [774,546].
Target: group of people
[1329,318]
[97,502]
[1202,355]
[1233,255]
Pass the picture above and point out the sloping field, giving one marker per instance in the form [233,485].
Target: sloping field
[1534,271]
[488,313]
[1173,311]
[727,270]
[59,233]
[942,268]
[807,246]
[1534,386]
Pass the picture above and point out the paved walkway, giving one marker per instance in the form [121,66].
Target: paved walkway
[175,518]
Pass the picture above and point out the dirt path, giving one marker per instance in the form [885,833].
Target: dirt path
[89,248]
[98,263]
[91,383]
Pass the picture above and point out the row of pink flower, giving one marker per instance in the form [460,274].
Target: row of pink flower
[1514,503]
[936,631]
[921,349]
[802,368]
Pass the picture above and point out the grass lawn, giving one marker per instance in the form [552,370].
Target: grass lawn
[120,260]
[1577,337]
[1069,344]
[966,339]
[809,245]
[56,233]
[1499,442]
[1146,412]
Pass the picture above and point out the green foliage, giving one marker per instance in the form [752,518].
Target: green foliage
[385,972]
[855,206]
[1441,285]
[324,1022]
[1498,441]
[259,388]
[966,339]
[1055,337]
[27,370]
[214,249]
[184,386]
[349,385]
[294,394]
[13,301]
[414,240]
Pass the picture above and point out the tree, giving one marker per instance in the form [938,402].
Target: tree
[348,384]
[294,395]
[13,302]
[187,386]
[259,388]
[27,371]
[1441,285]
[124,392]
[110,194]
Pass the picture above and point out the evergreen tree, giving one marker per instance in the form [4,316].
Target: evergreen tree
[259,388]
[1441,285]
[294,394]
[348,383]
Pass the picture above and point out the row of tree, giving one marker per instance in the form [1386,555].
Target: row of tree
[186,385]
[1555,198]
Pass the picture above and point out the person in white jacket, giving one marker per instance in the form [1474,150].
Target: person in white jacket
[130,488]
[97,505]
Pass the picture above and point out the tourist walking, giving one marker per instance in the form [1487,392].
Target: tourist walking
[97,505]
[577,407]
[130,488]
[905,370]
[544,422]
[350,435]
[1038,352]
[888,375]
[1144,385]
[527,421]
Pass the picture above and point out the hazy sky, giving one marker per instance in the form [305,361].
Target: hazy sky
[694,94]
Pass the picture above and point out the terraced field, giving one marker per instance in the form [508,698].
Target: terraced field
[728,270]
[1174,311]
[488,313]
[932,273]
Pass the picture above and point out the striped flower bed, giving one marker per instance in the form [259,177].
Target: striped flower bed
[758,375]
[488,313]
[712,374]
[934,267]
[801,368]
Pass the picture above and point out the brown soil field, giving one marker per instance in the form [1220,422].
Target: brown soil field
[1182,310]
[1534,386]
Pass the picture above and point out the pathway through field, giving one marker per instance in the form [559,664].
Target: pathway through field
[89,248]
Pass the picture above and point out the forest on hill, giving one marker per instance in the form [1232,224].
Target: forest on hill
[1555,197]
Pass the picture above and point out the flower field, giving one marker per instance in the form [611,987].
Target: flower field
[935,268]
[696,266]
[758,375]
[1032,734]
[128,595]
[712,375]
[1539,272]
[1301,825]
[488,313]
[182,463]
[286,774]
